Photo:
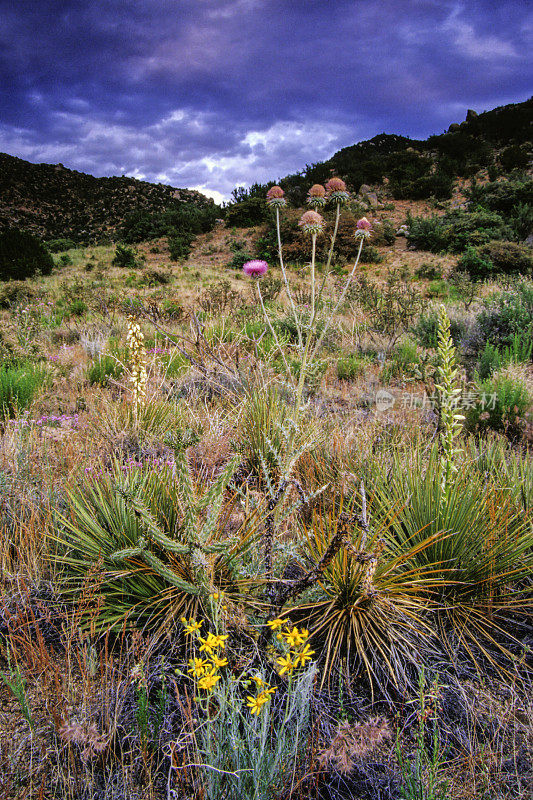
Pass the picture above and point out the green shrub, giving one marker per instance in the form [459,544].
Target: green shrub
[425,330]
[180,246]
[505,315]
[58,245]
[125,257]
[514,157]
[155,277]
[384,233]
[404,361]
[492,358]
[239,258]
[455,231]
[371,255]
[77,308]
[246,213]
[15,292]
[23,255]
[508,257]
[473,263]
[190,218]
[429,271]
[18,387]
[505,406]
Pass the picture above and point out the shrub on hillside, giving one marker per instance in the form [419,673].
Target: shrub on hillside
[23,256]
[508,257]
[514,157]
[180,246]
[455,231]
[125,257]
[474,264]
[503,317]
[246,213]
[426,330]
[59,245]
[505,405]
[187,218]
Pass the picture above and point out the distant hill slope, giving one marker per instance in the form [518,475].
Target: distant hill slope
[499,140]
[54,202]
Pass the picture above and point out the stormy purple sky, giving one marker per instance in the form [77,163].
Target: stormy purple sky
[212,94]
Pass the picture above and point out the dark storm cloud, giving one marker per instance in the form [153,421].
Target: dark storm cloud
[216,92]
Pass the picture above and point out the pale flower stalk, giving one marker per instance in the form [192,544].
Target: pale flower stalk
[138,375]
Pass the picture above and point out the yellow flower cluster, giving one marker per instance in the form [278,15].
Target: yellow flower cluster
[205,669]
[264,693]
[299,652]
[138,376]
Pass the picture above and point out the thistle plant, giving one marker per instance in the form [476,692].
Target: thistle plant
[312,225]
[448,391]
[138,376]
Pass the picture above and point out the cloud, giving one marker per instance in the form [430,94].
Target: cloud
[216,93]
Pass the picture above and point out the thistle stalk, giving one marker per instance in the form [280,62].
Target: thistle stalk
[286,281]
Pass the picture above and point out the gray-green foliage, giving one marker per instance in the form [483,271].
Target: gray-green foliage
[154,540]
[254,758]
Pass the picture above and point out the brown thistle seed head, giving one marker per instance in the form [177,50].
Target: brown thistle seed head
[275,196]
[275,192]
[311,222]
[335,185]
[317,190]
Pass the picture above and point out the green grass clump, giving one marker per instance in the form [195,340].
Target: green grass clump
[104,368]
[18,387]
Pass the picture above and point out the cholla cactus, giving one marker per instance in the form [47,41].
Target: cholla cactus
[138,377]
[450,422]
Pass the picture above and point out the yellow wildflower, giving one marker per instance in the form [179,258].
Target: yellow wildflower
[276,624]
[293,638]
[286,664]
[218,662]
[219,641]
[197,667]
[255,704]
[212,642]
[191,626]
[208,681]
[303,656]
[258,680]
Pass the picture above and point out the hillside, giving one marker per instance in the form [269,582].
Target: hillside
[54,202]
[499,141]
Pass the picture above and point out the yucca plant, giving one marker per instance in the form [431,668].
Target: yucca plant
[481,549]
[154,542]
[367,612]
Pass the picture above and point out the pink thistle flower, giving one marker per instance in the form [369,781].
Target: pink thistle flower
[336,191]
[311,222]
[316,196]
[275,196]
[255,268]
[363,227]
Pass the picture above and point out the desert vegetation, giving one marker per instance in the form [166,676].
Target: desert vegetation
[267,494]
